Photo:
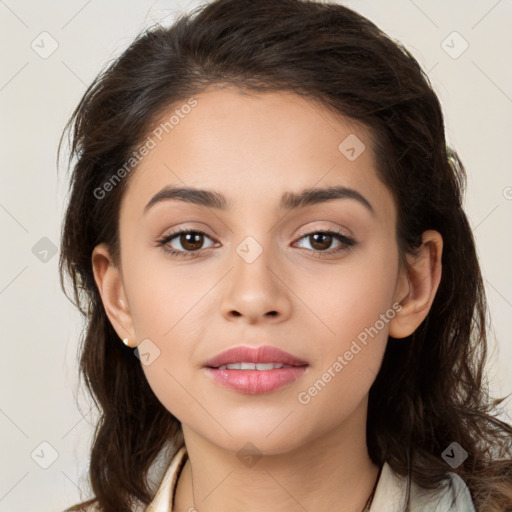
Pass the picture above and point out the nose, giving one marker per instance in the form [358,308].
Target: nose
[256,291]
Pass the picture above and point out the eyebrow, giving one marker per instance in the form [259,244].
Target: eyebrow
[289,200]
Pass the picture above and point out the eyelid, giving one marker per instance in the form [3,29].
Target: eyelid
[320,229]
[174,234]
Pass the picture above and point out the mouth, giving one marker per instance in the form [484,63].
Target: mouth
[255,371]
[254,366]
[250,358]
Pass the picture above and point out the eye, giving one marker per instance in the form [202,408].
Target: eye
[191,242]
[322,240]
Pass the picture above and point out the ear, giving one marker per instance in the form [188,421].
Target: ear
[109,281]
[420,280]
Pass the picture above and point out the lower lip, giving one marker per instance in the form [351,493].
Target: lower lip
[256,382]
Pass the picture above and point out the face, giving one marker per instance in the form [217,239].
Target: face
[317,280]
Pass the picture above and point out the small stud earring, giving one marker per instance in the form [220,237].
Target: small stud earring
[126,342]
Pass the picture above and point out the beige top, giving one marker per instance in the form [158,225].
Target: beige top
[390,494]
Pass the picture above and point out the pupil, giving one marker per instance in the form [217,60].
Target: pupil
[190,243]
[324,245]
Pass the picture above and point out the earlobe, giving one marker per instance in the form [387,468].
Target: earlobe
[424,275]
[110,285]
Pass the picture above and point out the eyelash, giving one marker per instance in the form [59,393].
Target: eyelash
[346,243]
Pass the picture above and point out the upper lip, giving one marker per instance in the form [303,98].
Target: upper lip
[261,354]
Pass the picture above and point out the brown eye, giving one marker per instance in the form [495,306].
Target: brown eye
[191,241]
[184,242]
[320,241]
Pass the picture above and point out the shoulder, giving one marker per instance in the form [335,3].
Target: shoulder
[452,496]
[391,495]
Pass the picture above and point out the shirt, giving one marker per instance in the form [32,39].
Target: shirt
[390,493]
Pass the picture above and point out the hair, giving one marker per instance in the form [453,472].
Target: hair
[431,389]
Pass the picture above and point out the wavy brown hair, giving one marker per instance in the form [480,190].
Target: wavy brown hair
[431,389]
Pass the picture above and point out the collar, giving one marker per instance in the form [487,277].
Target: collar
[390,493]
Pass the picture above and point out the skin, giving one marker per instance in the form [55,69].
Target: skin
[252,148]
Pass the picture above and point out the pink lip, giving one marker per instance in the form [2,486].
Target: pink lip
[255,382]
[262,354]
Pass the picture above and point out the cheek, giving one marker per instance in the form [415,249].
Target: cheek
[162,294]
[349,297]
[168,307]
[354,310]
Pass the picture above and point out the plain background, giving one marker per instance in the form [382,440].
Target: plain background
[40,327]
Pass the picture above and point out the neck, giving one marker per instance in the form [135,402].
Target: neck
[331,473]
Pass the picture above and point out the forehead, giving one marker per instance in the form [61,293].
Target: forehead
[253,148]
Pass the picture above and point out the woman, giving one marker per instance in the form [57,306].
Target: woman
[265,210]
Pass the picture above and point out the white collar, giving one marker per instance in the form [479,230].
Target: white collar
[390,494]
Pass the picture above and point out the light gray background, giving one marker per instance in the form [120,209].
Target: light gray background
[40,327]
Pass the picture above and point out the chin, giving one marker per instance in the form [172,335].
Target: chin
[258,439]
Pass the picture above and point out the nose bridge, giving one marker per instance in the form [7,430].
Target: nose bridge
[255,288]
[253,259]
